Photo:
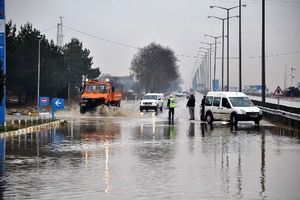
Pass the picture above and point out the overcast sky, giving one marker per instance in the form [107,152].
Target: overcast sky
[178,24]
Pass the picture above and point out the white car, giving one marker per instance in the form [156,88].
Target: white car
[152,101]
[230,106]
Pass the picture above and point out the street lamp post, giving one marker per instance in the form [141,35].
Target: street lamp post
[39,37]
[292,75]
[228,9]
[202,71]
[215,59]
[209,49]
[263,55]
[223,19]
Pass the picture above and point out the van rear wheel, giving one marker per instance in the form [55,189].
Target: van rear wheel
[209,118]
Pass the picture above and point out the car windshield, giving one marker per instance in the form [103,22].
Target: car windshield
[150,97]
[241,102]
[96,88]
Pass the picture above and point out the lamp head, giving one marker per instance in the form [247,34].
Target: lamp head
[39,37]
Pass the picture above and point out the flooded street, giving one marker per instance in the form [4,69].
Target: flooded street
[143,156]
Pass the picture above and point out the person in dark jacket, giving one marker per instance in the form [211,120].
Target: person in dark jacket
[203,108]
[191,104]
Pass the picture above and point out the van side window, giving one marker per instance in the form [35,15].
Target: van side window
[217,101]
[225,103]
[208,101]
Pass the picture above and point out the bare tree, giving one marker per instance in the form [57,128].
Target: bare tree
[155,67]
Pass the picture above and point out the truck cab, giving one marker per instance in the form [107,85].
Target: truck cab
[97,93]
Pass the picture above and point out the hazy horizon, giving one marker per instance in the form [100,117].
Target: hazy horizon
[180,25]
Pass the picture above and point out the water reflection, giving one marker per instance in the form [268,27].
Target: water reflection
[149,160]
[192,129]
[262,178]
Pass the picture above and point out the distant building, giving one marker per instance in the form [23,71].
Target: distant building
[255,89]
[123,83]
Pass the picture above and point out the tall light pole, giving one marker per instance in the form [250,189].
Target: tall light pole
[227,9]
[204,68]
[39,37]
[292,75]
[263,56]
[210,45]
[215,59]
[223,19]
[240,45]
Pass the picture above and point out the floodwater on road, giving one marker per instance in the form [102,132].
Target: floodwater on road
[147,157]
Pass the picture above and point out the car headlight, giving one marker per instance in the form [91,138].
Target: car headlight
[243,111]
[154,103]
[260,111]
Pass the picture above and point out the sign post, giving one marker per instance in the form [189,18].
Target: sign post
[44,101]
[278,92]
[57,104]
[2,59]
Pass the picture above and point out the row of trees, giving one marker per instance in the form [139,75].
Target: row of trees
[60,66]
[154,66]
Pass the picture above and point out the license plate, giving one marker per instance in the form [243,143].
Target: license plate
[253,116]
[83,104]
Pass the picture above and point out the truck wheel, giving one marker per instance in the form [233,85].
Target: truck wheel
[82,110]
[209,118]
[156,109]
[161,108]
[233,119]
[256,121]
[141,109]
[118,104]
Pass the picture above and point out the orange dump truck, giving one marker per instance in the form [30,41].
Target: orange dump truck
[96,93]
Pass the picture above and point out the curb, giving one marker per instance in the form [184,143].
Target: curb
[32,128]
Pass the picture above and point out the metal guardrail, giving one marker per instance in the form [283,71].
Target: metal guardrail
[289,115]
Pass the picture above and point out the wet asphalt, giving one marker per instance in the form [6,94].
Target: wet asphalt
[126,154]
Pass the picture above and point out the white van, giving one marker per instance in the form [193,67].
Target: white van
[152,101]
[230,106]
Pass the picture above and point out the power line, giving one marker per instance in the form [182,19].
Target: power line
[103,39]
[279,3]
[178,55]
[48,29]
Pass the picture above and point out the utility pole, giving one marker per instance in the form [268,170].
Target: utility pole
[39,69]
[240,45]
[59,36]
[284,77]
[263,61]
[292,76]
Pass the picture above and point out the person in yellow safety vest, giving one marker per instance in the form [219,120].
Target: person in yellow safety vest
[171,105]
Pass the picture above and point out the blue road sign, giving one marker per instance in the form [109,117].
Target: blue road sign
[215,83]
[58,104]
[44,101]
